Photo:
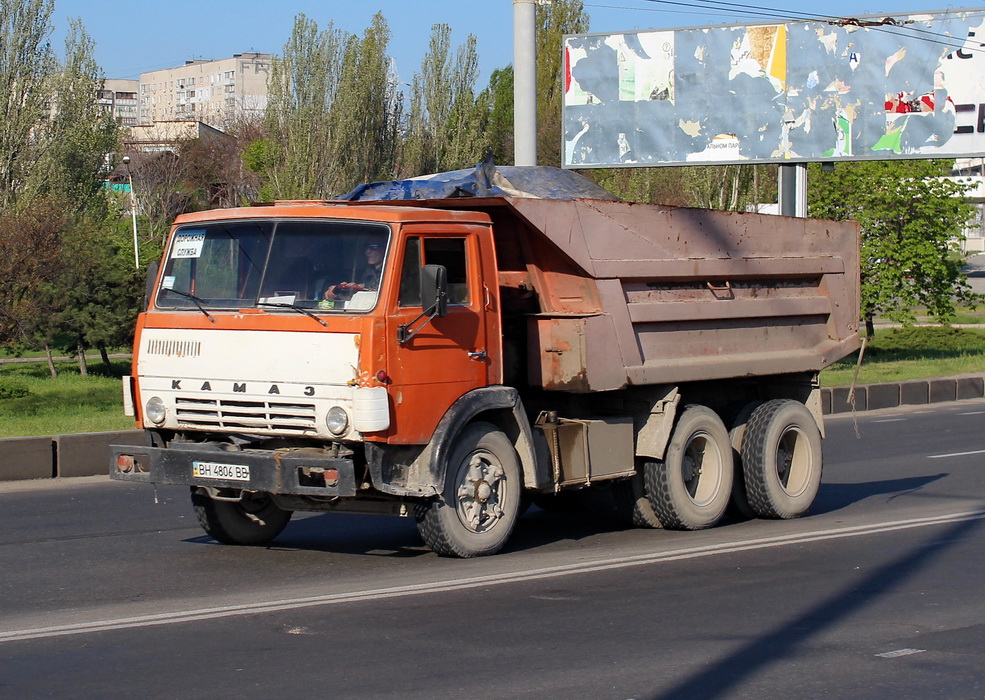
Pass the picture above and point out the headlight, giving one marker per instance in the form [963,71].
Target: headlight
[155,410]
[337,420]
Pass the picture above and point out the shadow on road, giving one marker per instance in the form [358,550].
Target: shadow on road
[779,645]
[833,497]
[346,533]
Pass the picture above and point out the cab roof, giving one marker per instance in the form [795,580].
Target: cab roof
[316,209]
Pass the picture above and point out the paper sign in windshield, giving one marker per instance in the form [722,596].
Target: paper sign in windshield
[188,244]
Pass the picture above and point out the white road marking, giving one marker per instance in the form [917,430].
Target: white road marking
[900,652]
[890,420]
[956,454]
[201,614]
[972,413]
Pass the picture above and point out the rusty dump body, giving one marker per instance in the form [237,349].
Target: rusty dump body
[614,294]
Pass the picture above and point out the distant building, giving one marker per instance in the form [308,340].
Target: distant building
[213,92]
[167,135]
[119,98]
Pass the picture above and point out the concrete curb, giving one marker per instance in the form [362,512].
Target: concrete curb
[916,392]
[86,454]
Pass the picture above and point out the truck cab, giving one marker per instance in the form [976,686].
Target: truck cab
[295,354]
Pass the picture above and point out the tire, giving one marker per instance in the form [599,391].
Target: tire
[781,459]
[253,520]
[690,488]
[480,503]
[739,505]
[633,504]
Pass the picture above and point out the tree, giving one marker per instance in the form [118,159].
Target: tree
[27,65]
[445,125]
[555,20]
[333,114]
[74,142]
[912,219]
[30,261]
[497,99]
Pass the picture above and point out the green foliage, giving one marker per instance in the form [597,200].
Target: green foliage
[27,69]
[446,121]
[497,101]
[554,20]
[334,112]
[912,220]
[75,140]
[13,389]
[927,339]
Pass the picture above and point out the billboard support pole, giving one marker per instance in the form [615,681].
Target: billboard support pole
[524,82]
[793,189]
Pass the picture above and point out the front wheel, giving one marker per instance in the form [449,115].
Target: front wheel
[480,504]
[255,519]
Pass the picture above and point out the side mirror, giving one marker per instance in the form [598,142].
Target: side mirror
[151,280]
[434,290]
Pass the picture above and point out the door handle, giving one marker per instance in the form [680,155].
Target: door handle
[479,355]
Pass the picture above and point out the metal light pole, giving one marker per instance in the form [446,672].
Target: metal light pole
[133,212]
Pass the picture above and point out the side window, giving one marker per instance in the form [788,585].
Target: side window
[410,274]
[450,252]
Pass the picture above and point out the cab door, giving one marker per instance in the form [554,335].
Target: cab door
[448,356]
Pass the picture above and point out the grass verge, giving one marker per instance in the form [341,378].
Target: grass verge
[32,403]
[919,352]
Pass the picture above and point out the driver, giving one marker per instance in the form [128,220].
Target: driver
[369,279]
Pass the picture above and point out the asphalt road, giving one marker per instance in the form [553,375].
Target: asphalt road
[876,594]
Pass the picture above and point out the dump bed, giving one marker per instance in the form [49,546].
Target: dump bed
[616,294]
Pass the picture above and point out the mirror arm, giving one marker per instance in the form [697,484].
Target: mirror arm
[404,330]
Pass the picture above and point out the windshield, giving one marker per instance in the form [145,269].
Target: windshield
[311,264]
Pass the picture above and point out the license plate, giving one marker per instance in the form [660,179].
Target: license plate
[226,472]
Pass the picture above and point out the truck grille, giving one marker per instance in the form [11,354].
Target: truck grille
[246,415]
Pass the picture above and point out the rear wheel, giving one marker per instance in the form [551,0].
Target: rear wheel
[739,505]
[781,459]
[253,520]
[480,504]
[633,503]
[690,488]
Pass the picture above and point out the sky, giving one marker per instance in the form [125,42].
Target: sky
[139,36]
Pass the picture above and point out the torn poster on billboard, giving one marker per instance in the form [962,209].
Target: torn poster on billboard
[907,87]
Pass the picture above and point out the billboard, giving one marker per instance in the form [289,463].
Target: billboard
[869,88]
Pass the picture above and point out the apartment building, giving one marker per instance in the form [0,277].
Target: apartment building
[213,92]
[119,98]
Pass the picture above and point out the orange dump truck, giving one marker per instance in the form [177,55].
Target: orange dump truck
[450,359]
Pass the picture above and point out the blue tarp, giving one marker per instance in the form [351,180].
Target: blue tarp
[486,180]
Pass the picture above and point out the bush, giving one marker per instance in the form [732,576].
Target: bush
[936,339]
[10,389]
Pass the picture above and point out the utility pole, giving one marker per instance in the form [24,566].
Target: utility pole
[525,82]
[133,212]
[793,189]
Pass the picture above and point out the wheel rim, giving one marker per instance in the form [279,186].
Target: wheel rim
[481,488]
[794,461]
[701,468]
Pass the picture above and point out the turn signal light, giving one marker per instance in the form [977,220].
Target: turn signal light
[125,463]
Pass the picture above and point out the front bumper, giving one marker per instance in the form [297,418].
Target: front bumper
[269,471]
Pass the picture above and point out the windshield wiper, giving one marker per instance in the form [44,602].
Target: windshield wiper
[299,309]
[195,300]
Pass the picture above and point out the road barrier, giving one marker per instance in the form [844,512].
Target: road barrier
[53,456]
[85,454]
